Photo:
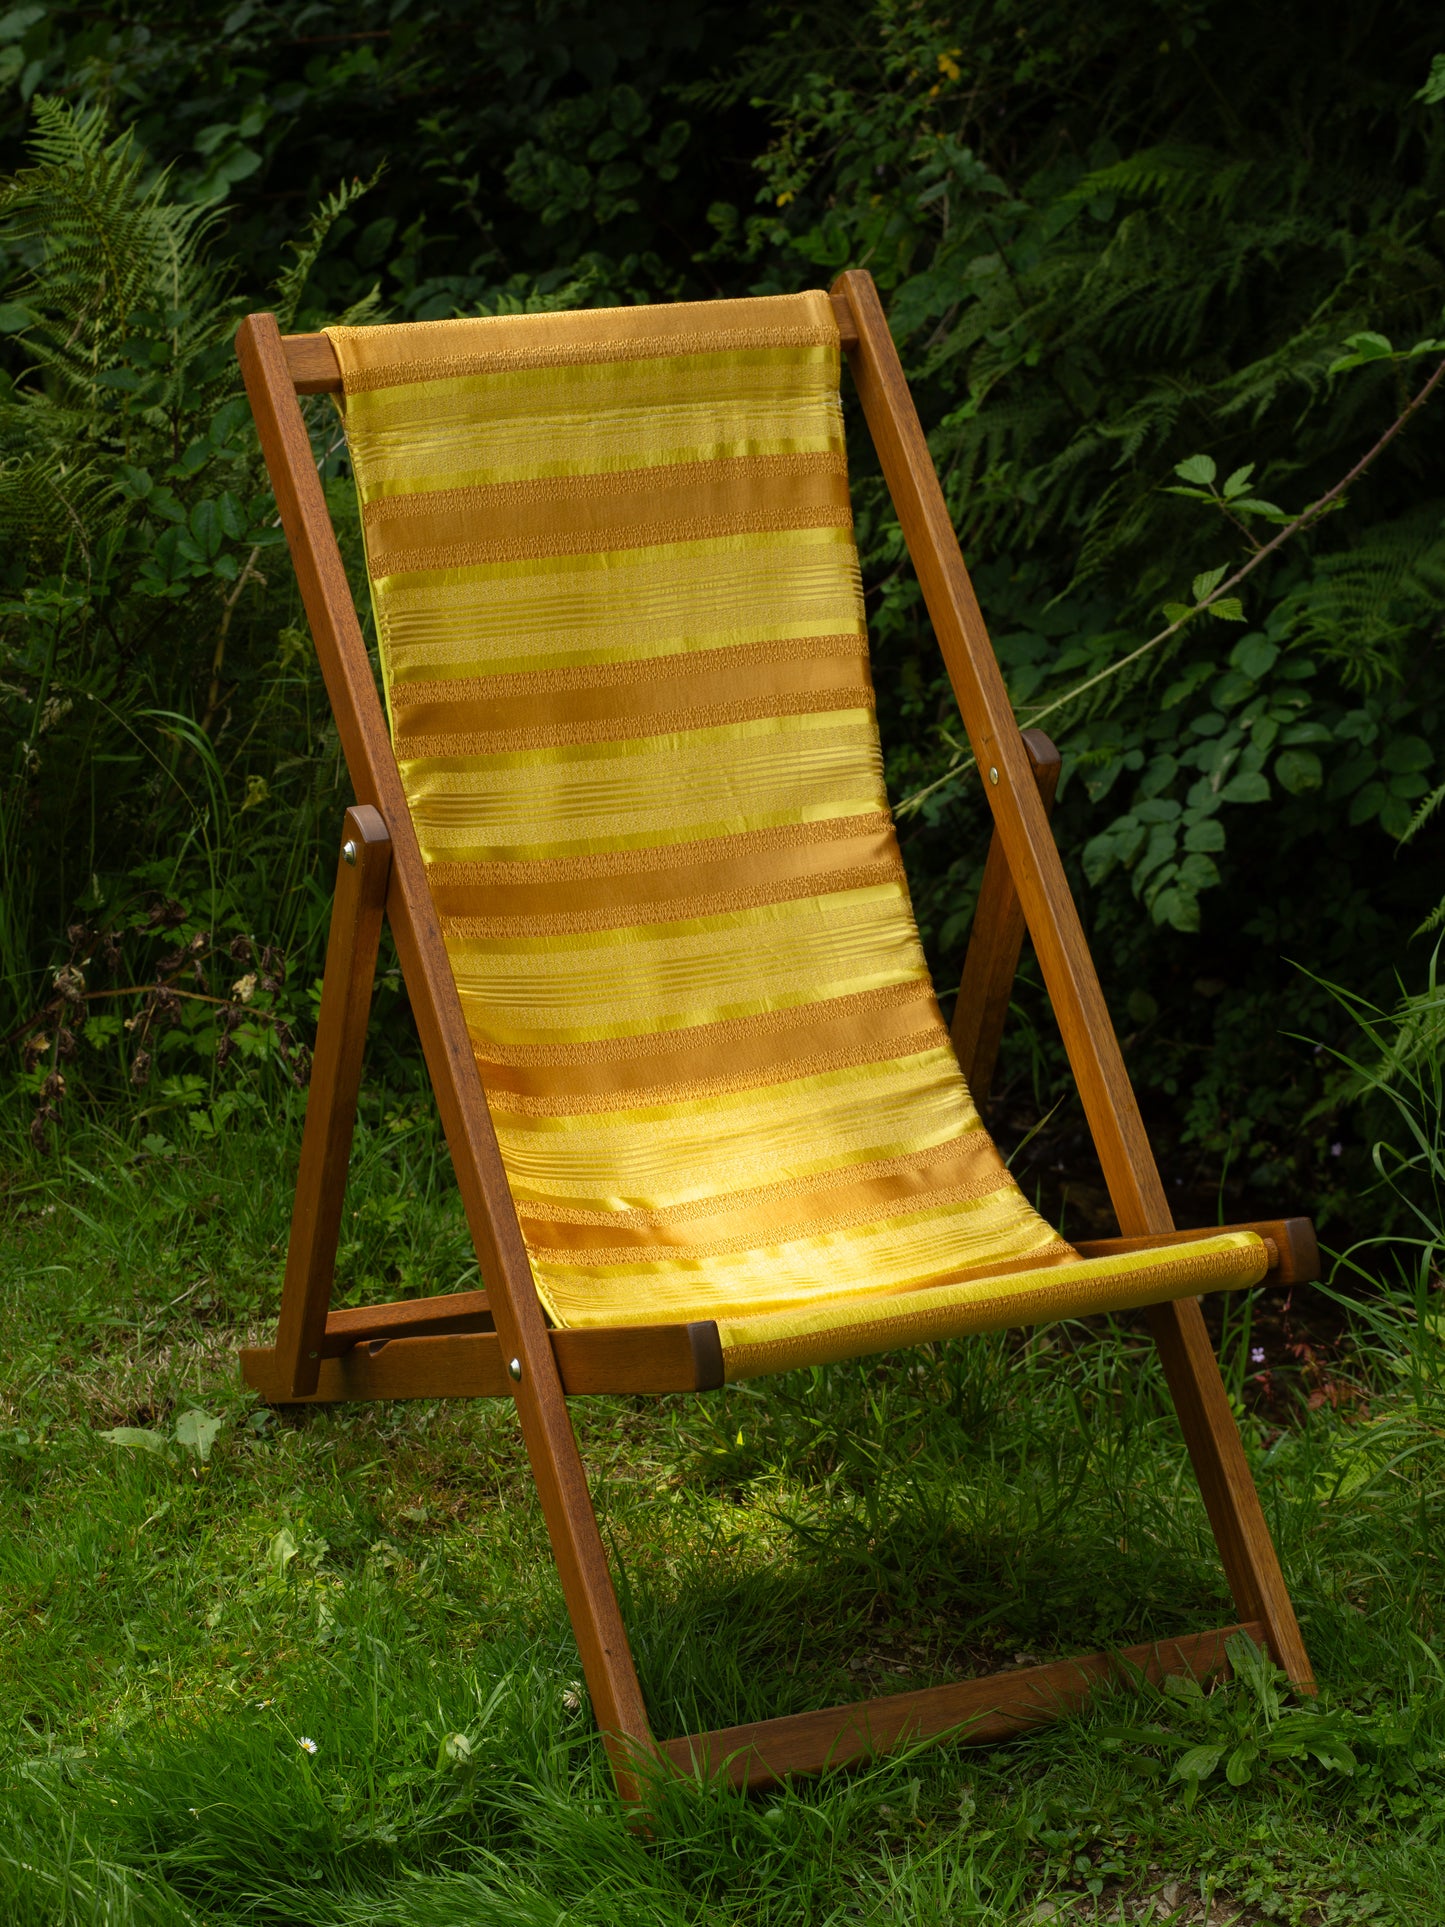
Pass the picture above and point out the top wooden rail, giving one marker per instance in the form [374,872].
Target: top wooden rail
[314,369]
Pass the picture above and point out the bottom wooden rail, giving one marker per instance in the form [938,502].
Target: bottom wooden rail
[470,1364]
[974,1712]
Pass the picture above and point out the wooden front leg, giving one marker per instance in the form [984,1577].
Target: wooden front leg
[362,871]
[996,942]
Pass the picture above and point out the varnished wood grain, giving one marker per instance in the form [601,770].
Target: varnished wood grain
[409,1362]
[996,943]
[351,947]
[454,1311]
[970,1712]
[481,1178]
[312,364]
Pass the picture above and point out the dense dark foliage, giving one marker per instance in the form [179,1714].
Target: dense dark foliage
[1165,275]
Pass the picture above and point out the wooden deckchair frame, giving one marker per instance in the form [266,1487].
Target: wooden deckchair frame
[497,1344]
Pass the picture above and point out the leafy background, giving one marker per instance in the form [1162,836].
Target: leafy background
[1163,274]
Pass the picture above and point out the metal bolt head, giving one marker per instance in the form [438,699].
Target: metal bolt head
[514,1369]
[993,776]
[348,851]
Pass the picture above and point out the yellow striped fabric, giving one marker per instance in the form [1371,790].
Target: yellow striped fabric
[622,640]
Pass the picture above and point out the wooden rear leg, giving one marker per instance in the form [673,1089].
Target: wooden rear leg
[1246,1550]
[996,943]
[362,871]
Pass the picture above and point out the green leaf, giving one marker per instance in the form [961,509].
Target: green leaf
[1432,93]
[1253,655]
[1208,835]
[1395,814]
[1298,770]
[1253,505]
[1238,482]
[135,1437]
[1198,1763]
[1173,612]
[1199,469]
[14,317]
[1240,1764]
[282,1550]
[1363,347]
[1229,608]
[1248,787]
[1367,803]
[1206,583]
[1178,907]
[1403,753]
[196,1431]
[1183,1686]
[1142,1007]
[1198,872]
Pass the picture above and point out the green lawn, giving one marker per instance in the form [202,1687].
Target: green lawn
[179,1629]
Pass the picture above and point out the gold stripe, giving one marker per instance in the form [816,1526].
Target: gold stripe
[609,538]
[632,727]
[693,1048]
[554,499]
[671,687]
[589,1101]
[636,676]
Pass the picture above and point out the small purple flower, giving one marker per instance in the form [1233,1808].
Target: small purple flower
[1337,1150]
[1256,1355]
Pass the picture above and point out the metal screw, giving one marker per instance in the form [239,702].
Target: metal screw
[348,851]
[992,777]
[514,1369]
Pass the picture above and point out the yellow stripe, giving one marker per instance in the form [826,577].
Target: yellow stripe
[600,419]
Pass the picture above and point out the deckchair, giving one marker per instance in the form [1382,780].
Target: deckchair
[625,813]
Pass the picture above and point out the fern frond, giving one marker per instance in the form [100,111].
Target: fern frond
[109,241]
[291,282]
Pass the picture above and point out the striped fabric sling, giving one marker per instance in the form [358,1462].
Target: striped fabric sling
[622,639]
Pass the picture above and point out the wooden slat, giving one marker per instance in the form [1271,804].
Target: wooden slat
[462,1364]
[312,364]
[456,1311]
[351,949]
[452,1365]
[1296,1259]
[996,943]
[481,1177]
[974,1712]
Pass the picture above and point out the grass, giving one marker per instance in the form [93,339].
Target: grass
[376,1580]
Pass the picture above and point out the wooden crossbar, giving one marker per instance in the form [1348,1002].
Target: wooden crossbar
[447,1347]
[973,1712]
